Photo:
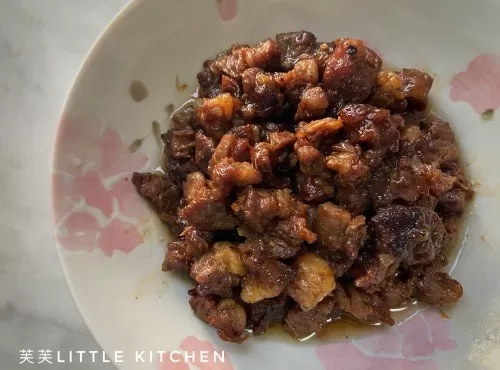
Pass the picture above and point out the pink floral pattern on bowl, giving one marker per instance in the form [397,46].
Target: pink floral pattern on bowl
[479,84]
[95,203]
[228,9]
[409,346]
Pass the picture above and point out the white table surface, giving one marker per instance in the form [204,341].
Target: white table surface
[42,44]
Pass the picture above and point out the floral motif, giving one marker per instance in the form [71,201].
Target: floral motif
[94,200]
[228,9]
[192,344]
[479,85]
[407,347]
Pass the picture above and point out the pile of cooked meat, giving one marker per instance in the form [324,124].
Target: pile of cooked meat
[303,184]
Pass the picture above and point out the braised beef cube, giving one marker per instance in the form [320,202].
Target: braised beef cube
[227,316]
[179,144]
[439,288]
[293,45]
[160,192]
[364,307]
[184,117]
[414,235]
[204,149]
[300,324]
[416,86]
[261,314]
[186,249]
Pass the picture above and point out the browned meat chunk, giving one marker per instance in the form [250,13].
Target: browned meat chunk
[351,71]
[204,149]
[294,45]
[163,195]
[227,316]
[185,116]
[205,208]
[375,128]
[266,277]
[313,104]
[314,281]
[388,92]
[272,245]
[219,271]
[439,288]
[301,324]
[416,86]
[215,114]
[258,207]
[261,314]
[364,307]
[414,235]
[186,249]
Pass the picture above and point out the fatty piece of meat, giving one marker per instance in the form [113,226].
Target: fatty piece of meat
[226,315]
[261,314]
[314,281]
[388,92]
[205,208]
[262,96]
[219,271]
[266,277]
[364,307]
[186,249]
[214,114]
[313,104]
[257,207]
[300,324]
[351,71]
[414,235]
[271,245]
[297,228]
[179,144]
[161,193]
[376,269]
[372,127]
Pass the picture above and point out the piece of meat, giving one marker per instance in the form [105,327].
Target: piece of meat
[262,96]
[293,45]
[315,131]
[160,192]
[266,277]
[219,271]
[185,116]
[372,127]
[258,207]
[204,149]
[364,307]
[261,314]
[315,188]
[186,249]
[376,269]
[227,316]
[205,208]
[416,86]
[228,171]
[397,292]
[351,71]
[388,92]
[214,114]
[313,282]
[297,228]
[413,235]
[439,288]
[313,104]
[301,324]
[179,144]
[272,245]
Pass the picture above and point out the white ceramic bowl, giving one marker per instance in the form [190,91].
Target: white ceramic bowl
[111,246]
